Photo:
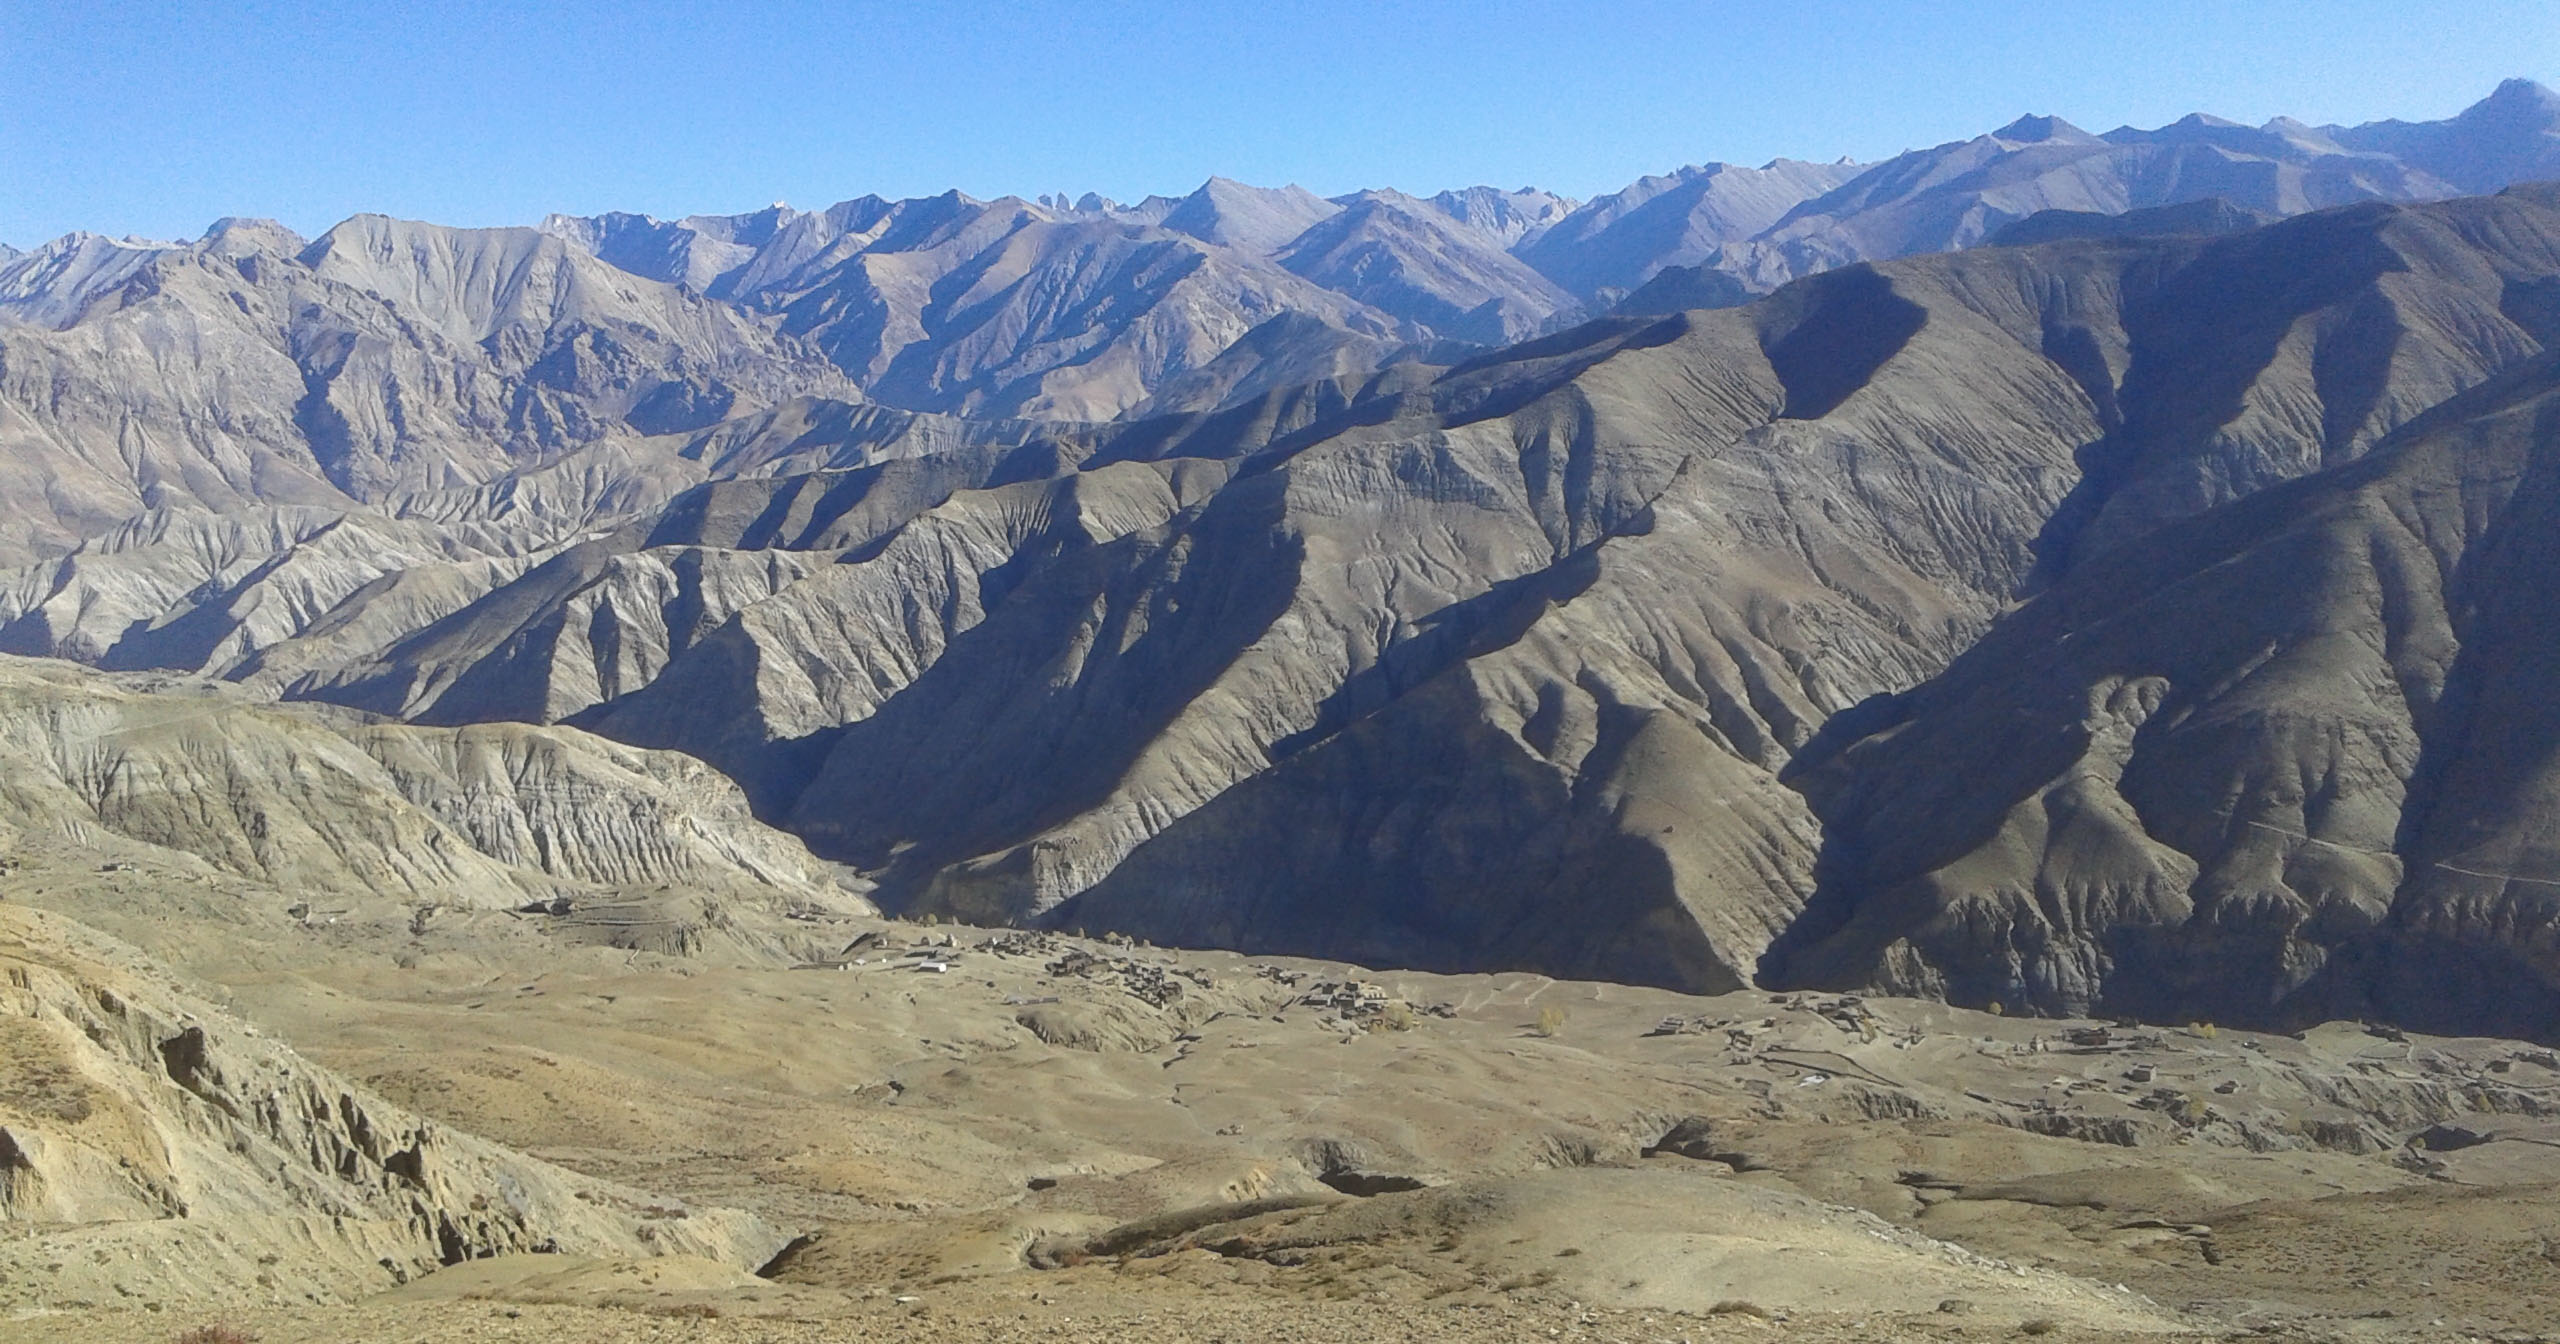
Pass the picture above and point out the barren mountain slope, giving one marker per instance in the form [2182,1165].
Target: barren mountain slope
[328,805]
[245,370]
[2197,776]
[196,591]
[1388,696]
[1510,218]
[599,619]
[2290,349]
[2284,761]
[1107,699]
[1494,662]
[604,618]
[189,590]
[1571,768]
[764,696]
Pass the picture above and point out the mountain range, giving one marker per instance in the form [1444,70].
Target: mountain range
[1066,311]
[2069,572]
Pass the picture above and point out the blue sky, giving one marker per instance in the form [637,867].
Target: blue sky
[158,118]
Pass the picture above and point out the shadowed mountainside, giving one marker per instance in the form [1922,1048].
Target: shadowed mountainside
[2284,761]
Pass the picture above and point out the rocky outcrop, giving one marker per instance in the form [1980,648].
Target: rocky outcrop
[153,1150]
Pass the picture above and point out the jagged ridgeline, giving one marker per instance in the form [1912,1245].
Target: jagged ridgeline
[2063,571]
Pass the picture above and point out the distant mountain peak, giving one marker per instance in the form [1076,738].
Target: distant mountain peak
[2516,100]
[2036,128]
[1256,219]
[2513,135]
[82,239]
[234,233]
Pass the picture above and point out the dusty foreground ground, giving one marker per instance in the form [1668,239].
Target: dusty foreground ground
[1139,1317]
[977,1135]
[1147,1318]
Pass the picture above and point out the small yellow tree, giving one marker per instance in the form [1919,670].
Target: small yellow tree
[1550,1020]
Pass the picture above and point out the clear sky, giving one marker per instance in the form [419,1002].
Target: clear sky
[158,118]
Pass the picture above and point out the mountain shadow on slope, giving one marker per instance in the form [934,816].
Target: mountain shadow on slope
[2285,761]
[2211,216]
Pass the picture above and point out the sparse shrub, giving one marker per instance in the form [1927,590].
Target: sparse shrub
[686,1311]
[1734,1306]
[38,1079]
[1550,1020]
[2041,1325]
[216,1334]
